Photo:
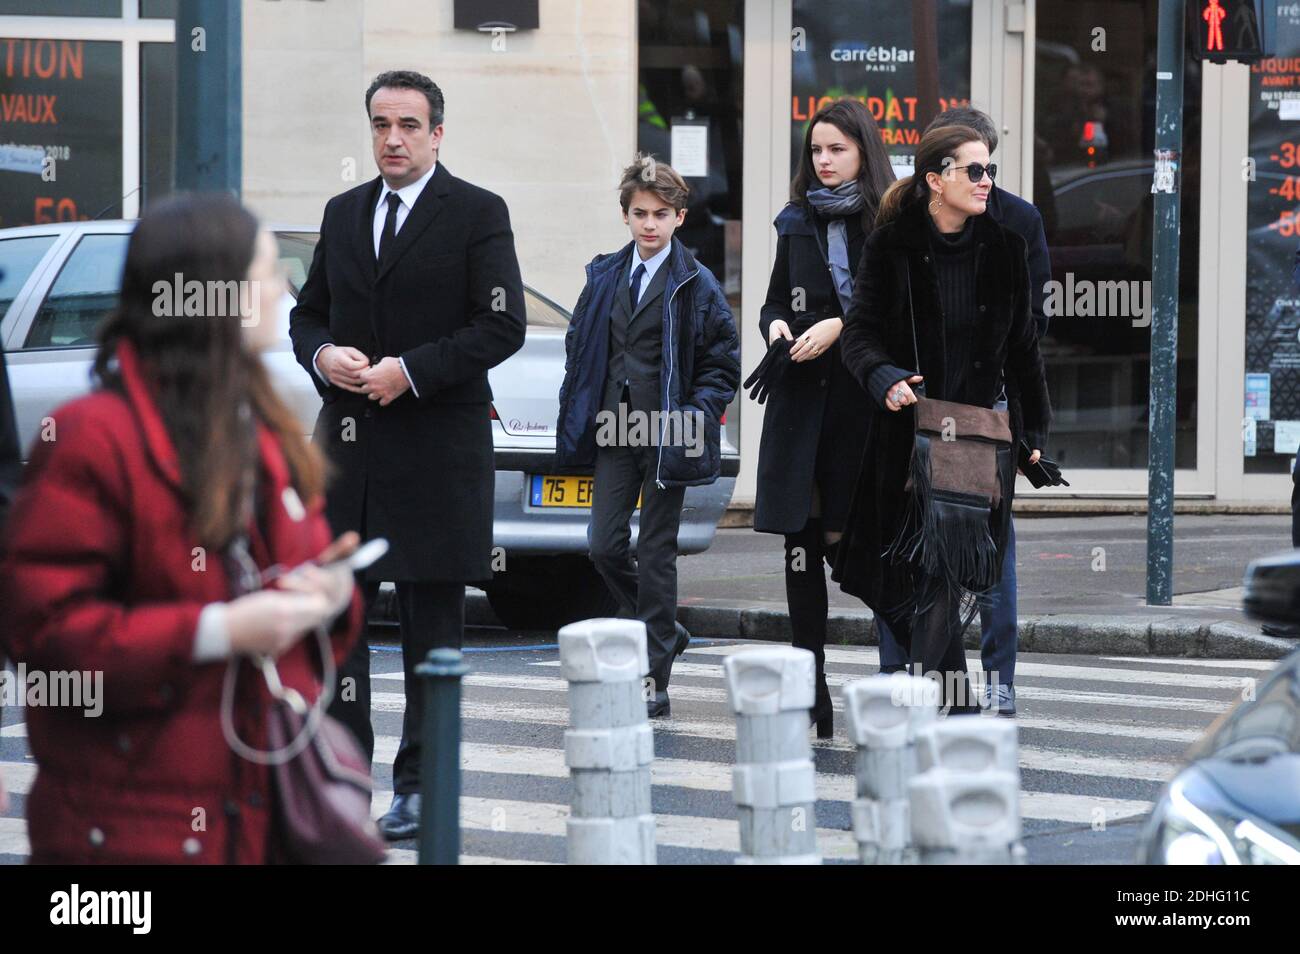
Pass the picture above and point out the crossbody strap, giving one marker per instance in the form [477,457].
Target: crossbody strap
[911,311]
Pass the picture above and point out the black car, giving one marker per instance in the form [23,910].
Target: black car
[1238,800]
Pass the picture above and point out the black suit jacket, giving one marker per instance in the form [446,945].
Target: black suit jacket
[449,301]
[636,344]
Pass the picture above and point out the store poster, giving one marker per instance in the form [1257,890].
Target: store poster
[60,130]
[884,53]
[1272,398]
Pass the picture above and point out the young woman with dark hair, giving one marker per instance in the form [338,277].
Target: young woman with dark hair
[942,298]
[134,535]
[814,425]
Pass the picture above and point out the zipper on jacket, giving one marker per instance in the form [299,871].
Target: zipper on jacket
[663,423]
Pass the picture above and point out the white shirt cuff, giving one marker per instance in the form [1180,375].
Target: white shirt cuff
[409,380]
[316,367]
[212,638]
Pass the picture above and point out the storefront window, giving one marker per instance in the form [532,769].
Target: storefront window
[157,121]
[1094,120]
[1271,422]
[61,8]
[689,106]
[166,9]
[60,130]
[906,61]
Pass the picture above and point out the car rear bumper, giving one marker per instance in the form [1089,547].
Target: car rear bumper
[522,528]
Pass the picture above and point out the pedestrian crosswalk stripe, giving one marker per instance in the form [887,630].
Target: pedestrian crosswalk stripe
[707,694]
[1256,664]
[724,730]
[1187,680]
[13,837]
[674,831]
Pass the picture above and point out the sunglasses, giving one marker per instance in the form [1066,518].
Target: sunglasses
[976,170]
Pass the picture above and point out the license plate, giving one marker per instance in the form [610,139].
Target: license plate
[546,491]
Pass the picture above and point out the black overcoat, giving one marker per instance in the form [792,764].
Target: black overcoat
[878,331]
[817,407]
[449,301]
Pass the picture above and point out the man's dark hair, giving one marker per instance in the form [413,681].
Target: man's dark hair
[976,119]
[409,79]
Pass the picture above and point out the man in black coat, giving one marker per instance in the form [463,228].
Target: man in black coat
[414,293]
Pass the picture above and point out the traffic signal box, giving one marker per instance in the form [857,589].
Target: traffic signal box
[1227,30]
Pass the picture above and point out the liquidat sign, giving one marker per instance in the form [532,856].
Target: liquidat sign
[884,110]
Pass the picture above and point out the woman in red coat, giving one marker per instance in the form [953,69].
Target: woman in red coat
[121,559]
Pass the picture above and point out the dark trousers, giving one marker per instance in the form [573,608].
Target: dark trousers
[805,594]
[1295,508]
[431,616]
[999,633]
[647,589]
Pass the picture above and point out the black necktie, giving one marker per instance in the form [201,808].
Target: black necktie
[635,290]
[390,226]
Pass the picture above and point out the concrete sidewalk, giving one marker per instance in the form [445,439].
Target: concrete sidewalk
[1081,589]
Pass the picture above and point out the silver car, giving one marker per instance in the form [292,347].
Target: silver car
[60,280]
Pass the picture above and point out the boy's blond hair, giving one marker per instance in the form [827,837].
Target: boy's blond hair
[648,174]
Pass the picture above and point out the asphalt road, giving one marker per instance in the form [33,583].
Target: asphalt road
[1098,737]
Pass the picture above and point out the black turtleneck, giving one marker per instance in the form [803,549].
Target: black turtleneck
[954,265]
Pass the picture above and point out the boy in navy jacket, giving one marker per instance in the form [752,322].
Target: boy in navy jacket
[652,360]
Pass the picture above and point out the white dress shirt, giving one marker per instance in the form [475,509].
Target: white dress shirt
[651,266]
[408,195]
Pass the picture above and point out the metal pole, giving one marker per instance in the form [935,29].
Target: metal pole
[1164,302]
[441,673]
[209,97]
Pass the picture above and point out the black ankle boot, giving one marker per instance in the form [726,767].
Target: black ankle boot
[823,713]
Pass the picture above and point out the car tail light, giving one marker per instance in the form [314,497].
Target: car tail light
[723,419]
[494,412]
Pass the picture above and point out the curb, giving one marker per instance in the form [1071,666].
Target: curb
[1064,634]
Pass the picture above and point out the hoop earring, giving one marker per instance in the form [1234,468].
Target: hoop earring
[936,205]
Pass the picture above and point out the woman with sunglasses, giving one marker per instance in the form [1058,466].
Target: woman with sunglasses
[814,425]
[941,304]
[165,489]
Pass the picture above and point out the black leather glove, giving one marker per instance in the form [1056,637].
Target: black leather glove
[1044,473]
[769,371]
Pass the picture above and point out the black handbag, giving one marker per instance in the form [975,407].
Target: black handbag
[960,470]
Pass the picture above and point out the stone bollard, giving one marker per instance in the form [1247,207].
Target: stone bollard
[965,801]
[884,714]
[771,691]
[608,746]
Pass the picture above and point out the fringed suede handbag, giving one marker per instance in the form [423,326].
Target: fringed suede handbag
[960,468]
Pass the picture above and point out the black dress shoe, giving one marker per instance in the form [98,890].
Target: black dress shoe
[402,819]
[659,707]
[683,639]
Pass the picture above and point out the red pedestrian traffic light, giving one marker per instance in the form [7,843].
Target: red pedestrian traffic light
[1227,30]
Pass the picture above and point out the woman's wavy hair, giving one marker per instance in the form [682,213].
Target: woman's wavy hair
[875,175]
[937,146]
[201,376]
